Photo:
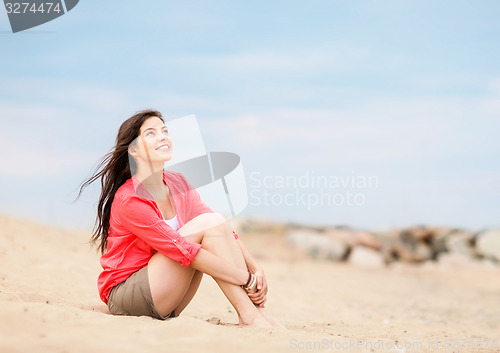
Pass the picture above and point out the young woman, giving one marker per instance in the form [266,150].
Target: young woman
[158,238]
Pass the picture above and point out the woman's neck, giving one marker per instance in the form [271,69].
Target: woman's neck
[151,179]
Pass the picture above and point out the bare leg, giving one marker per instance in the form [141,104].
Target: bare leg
[193,287]
[173,286]
[270,319]
[233,251]
[219,240]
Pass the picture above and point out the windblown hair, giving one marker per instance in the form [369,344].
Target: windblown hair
[113,170]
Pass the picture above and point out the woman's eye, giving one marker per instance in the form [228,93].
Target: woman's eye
[150,133]
[165,132]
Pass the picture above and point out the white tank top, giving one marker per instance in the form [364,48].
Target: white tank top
[173,223]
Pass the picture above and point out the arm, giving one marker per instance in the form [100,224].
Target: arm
[139,216]
[211,264]
[249,260]
[196,205]
[259,297]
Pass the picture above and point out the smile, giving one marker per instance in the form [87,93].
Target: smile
[165,147]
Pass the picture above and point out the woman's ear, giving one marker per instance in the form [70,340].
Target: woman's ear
[132,149]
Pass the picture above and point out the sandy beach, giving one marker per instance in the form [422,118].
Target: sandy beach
[49,303]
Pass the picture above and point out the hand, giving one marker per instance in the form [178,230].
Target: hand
[259,297]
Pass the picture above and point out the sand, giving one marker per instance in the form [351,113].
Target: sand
[49,303]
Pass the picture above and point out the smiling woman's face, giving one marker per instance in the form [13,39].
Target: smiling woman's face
[154,143]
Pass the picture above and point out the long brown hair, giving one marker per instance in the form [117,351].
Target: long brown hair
[113,170]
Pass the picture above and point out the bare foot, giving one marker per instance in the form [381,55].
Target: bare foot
[271,320]
[257,321]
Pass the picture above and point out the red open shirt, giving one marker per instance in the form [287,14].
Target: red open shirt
[137,230]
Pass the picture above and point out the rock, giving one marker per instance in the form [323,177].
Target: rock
[438,243]
[422,252]
[365,257]
[420,233]
[460,243]
[252,225]
[353,237]
[343,235]
[411,248]
[369,240]
[316,244]
[488,244]
[387,240]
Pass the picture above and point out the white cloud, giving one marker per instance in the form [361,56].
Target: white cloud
[51,133]
[25,156]
[381,129]
[490,104]
[22,158]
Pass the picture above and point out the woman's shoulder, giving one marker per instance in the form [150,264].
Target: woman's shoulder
[126,190]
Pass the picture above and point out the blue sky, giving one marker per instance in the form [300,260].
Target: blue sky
[407,92]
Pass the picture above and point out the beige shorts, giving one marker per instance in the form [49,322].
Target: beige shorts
[133,297]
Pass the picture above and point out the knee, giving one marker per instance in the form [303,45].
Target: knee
[212,221]
[206,223]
